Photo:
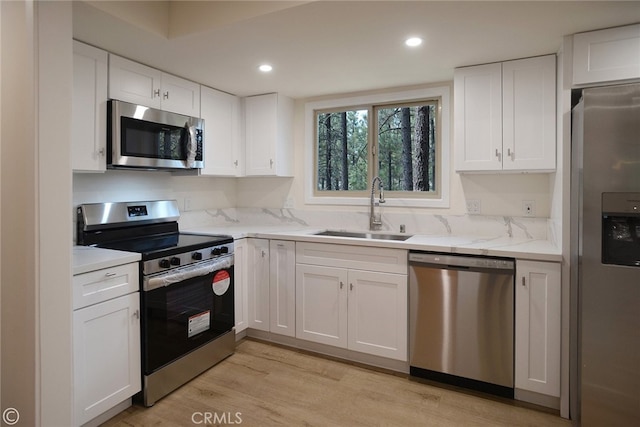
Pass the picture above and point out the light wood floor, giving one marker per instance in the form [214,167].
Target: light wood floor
[267,385]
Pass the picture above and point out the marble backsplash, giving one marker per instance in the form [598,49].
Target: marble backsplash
[415,223]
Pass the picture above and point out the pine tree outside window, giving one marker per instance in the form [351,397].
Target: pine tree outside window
[402,149]
[404,137]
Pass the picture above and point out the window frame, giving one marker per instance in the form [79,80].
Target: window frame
[359,198]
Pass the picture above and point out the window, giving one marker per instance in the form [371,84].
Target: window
[401,138]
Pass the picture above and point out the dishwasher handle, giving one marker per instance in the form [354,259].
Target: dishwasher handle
[460,262]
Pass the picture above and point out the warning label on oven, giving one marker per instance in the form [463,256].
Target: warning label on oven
[199,323]
[221,282]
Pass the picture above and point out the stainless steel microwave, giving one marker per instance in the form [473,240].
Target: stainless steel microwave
[145,138]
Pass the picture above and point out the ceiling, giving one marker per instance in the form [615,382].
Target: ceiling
[326,47]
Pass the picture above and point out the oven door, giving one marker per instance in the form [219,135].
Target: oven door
[185,308]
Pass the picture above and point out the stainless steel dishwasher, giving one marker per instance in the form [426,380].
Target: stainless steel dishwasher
[461,320]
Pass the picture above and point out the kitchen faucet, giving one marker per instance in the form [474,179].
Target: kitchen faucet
[375,219]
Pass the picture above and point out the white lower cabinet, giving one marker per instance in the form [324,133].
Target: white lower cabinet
[271,285]
[378,313]
[537,335]
[106,351]
[282,289]
[258,281]
[322,304]
[240,283]
[106,339]
[361,310]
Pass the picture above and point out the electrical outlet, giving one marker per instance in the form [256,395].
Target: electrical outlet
[473,207]
[528,208]
[289,203]
[187,204]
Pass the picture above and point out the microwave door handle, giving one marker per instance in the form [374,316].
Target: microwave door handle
[192,145]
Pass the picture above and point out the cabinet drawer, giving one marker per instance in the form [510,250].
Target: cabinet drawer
[101,285]
[383,260]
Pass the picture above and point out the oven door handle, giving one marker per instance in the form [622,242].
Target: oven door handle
[181,274]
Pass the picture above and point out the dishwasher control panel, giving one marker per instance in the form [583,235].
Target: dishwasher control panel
[461,261]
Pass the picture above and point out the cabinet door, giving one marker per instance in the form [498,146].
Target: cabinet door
[378,313]
[106,350]
[269,135]
[529,114]
[478,118]
[321,302]
[222,143]
[180,96]
[89,108]
[537,340]
[260,134]
[282,285]
[133,82]
[241,303]
[258,284]
[606,55]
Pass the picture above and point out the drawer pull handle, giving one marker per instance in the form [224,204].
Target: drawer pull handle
[341,285]
[524,283]
[110,274]
[136,314]
[350,286]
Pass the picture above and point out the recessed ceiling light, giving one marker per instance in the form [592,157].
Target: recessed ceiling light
[265,68]
[413,41]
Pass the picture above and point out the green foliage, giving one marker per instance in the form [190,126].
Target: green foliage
[398,148]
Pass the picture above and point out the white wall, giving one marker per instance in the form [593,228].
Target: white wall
[36,190]
[18,207]
[191,192]
[54,232]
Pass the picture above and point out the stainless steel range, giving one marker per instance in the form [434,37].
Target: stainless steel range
[186,288]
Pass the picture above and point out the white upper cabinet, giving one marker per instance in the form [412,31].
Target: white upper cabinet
[89,108]
[222,133]
[269,135]
[132,82]
[505,116]
[606,55]
[529,114]
[478,117]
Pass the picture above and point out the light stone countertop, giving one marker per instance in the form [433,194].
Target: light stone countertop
[88,258]
[529,249]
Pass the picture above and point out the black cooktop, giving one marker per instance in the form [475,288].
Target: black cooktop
[159,246]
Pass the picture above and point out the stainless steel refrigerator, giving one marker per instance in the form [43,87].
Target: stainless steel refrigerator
[605,239]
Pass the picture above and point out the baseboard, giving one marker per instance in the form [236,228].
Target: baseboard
[537,399]
[331,351]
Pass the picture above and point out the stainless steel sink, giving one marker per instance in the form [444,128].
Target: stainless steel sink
[364,235]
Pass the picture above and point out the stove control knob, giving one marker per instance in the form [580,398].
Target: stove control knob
[164,263]
[216,251]
[196,256]
[225,250]
[175,261]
